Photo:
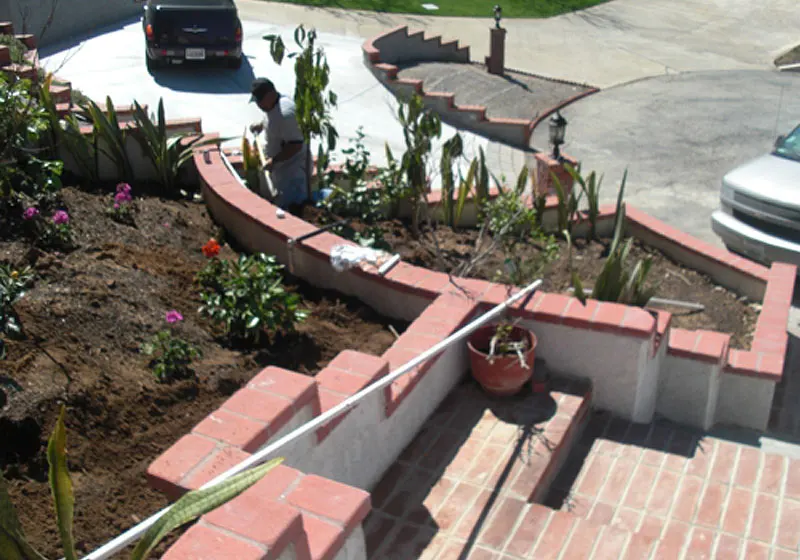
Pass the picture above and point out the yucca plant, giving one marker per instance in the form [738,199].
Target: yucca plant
[590,186]
[617,282]
[167,154]
[14,546]
[109,137]
[452,149]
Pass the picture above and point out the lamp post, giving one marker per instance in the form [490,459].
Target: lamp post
[558,127]
[498,14]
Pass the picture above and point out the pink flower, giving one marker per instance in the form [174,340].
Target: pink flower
[122,197]
[116,206]
[174,317]
[30,213]
[124,188]
[60,217]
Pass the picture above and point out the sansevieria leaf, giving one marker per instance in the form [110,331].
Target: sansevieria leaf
[197,503]
[61,485]
[13,545]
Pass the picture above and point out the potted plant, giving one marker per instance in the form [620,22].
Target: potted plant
[501,357]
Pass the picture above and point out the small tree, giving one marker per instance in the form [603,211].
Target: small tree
[420,127]
[314,102]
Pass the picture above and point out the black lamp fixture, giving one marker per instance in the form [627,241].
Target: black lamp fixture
[558,127]
[498,13]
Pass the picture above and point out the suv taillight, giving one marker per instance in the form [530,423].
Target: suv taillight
[149,31]
[238,34]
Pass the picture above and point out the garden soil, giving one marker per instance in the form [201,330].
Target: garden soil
[85,319]
[724,311]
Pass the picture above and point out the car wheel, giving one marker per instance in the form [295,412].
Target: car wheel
[235,63]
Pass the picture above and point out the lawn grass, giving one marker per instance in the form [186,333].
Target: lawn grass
[480,8]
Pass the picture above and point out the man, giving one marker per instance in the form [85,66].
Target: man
[285,146]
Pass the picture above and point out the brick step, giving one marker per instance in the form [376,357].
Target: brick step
[6,28]
[124,112]
[21,71]
[27,39]
[61,93]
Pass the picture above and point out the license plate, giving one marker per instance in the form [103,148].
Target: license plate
[195,54]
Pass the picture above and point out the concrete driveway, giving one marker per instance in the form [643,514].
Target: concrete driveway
[113,64]
[678,135]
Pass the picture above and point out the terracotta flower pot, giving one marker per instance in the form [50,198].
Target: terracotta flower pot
[501,375]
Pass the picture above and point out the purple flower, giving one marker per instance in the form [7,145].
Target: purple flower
[174,317]
[60,217]
[124,188]
[30,213]
[116,206]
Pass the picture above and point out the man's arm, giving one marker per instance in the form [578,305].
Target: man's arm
[289,150]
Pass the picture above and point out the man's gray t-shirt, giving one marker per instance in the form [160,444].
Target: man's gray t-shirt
[281,128]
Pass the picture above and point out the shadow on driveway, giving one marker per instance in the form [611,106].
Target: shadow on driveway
[205,78]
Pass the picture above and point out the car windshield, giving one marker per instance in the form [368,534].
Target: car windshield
[790,147]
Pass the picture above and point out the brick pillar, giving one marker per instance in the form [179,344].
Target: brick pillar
[497,51]
[546,166]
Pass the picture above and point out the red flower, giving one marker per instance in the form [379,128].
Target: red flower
[211,249]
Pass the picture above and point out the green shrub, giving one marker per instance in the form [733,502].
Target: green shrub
[16,48]
[171,355]
[13,284]
[247,299]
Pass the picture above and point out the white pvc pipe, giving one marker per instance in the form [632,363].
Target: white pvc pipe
[388,265]
[136,532]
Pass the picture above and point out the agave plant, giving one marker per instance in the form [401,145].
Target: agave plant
[109,136]
[168,154]
[617,282]
[14,546]
[568,205]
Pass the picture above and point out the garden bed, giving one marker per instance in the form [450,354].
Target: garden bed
[85,318]
[724,310]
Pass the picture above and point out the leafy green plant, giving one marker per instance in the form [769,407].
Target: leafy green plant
[504,343]
[109,137]
[168,154]
[14,545]
[618,281]
[249,299]
[514,226]
[356,160]
[590,186]
[314,102]
[171,355]
[16,48]
[26,175]
[364,202]
[392,182]
[13,284]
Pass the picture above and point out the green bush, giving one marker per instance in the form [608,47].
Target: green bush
[248,298]
[16,48]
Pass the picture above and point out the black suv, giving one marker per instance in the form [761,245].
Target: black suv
[192,30]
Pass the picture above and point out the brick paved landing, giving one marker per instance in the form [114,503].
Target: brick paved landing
[462,487]
[699,496]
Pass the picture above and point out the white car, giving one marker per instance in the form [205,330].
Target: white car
[759,214]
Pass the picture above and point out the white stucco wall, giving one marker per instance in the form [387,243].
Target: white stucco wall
[688,391]
[615,377]
[744,401]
